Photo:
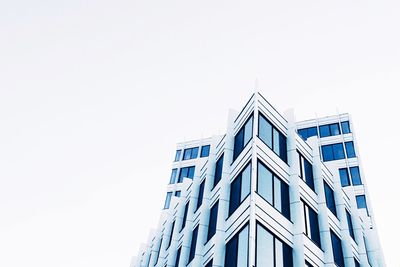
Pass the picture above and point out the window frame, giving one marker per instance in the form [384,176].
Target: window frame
[207,147]
[239,176]
[236,152]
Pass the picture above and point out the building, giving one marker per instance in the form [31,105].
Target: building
[270,192]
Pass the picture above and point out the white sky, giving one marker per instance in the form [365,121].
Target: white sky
[95,94]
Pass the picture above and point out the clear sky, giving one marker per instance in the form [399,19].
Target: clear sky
[95,94]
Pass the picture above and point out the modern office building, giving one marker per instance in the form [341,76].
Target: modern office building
[270,192]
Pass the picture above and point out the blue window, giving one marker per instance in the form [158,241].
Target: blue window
[178,193]
[306,172]
[311,225]
[185,213]
[218,170]
[273,189]
[346,127]
[362,202]
[330,198]
[332,152]
[187,172]
[355,175]
[243,137]
[190,153]
[173,176]
[178,155]
[273,138]
[351,153]
[237,249]
[329,130]
[240,189]
[337,250]
[356,263]
[212,223]
[350,225]
[307,132]
[171,234]
[158,251]
[205,151]
[209,264]
[192,251]
[309,264]
[271,251]
[201,194]
[344,177]
[178,256]
[167,200]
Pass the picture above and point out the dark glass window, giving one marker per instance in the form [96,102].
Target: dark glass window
[350,225]
[309,264]
[201,194]
[178,256]
[237,249]
[329,130]
[192,252]
[185,213]
[273,138]
[173,176]
[218,170]
[351,153]
[356,263]
[332,152]
[346,127]
[205,151]
[240,189]
[362,202]
[190,153]
[178,155]
[158,251]
[212,223]
[271,251]
[209,264]
[329,198]
[355,175]
[273,189]
[311,225]
[307,132]
[243,137]
[337,250]
[178,193]
[167,200]
[171,234]
[306,172]
[344,177]
[187,172]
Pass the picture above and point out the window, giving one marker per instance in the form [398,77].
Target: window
[332,152]
[366,251]
[192,251]
[187,172]
[178,256]
[178,155]
[173,176]
[158,252]
[209,264]
[243,137]
[205,151]
[362,203]
[201,194]
[355,175]
[356,263]
[273,189]
[171,234]
[306,172]
[351,153]
[185,215]
[307,132]
[167,200]
[344,177]
[237,248]
[309,264]
[337,250]
[270,251]
[330,198]
[218,170]
[311,225]
[190,153]
[240,188]
[212,224]
[178,193]
[345,127]
[350,225]
[273,138]
[329,130]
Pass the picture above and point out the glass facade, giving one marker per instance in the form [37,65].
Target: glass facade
[332,152]
[218,170]
[212,224]
[205,151]
[201,194]
[190,153]
[362,202]
[178,155]
[344,177]
[330,198]
[193,243]
[237,249]
[311,224]
[345,127]
[167,200]
[173,176]
[243,137]
[239,189]
[350,224]
[351,153]
[307,132]
[185,213]
[186,172]
[329,130]
[306,172]
[337,250]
